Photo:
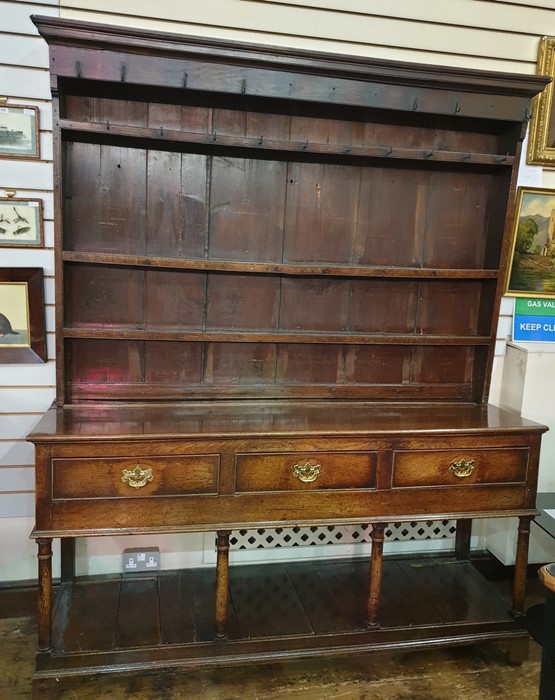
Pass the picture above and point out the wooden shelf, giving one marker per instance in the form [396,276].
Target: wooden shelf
[137,392]
[261,144]
[291,269]
[122,333]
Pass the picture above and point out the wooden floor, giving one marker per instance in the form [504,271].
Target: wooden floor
[477,672]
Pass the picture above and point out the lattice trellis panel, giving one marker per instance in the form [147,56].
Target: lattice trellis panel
[335,534]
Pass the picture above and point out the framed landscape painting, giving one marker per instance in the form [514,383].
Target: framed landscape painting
[22,326]
[19,131]
[532,264]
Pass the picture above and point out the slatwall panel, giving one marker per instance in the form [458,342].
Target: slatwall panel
[26,391]
[470,33]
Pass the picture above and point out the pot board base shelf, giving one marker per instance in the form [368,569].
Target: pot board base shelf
[276,612]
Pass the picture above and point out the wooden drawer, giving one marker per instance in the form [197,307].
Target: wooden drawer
[290,471]
[123,477]
[459,467]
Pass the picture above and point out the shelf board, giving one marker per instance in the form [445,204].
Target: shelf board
[274,614]
[149,391]
[292,269]
[261,144]
[230,336]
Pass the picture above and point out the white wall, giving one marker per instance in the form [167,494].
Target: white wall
[26,391]
[488,34]
[470,33]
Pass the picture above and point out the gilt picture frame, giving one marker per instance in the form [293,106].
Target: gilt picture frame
[541,130]
[531,270]
[19,131]
[21,223]
[22,322]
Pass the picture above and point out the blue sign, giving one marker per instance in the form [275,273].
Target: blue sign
[534,328]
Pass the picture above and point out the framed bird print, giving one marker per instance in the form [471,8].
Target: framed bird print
[22,326]
[20,222]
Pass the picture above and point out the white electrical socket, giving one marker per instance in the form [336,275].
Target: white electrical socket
[141,559]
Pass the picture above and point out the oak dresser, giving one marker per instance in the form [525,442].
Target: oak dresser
[278,279]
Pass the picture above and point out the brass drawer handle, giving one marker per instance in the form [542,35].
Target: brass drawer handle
[307,472]
[462,468]
[136,477]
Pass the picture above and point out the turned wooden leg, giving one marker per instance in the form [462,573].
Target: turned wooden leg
[67,559]
[222,582]
[462,539]
[375,583]
[45,595]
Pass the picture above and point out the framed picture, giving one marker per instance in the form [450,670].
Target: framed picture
[20,222]
[19,131]
[22,327]
[541,138]
[532,263]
